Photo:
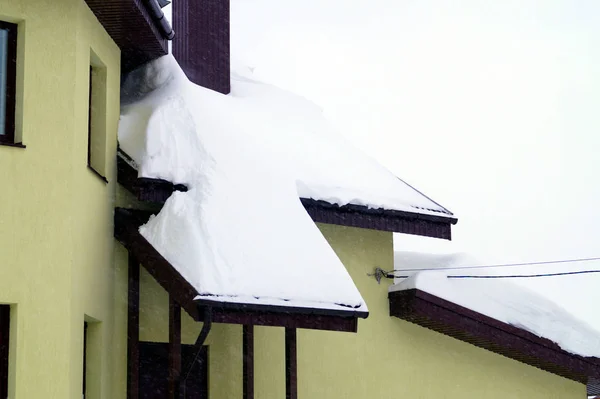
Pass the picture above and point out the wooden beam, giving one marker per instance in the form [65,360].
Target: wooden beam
[127,223]
[174,348]
[133,329]
[248,370]
[291,364]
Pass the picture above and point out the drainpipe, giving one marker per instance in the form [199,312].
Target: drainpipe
[206,326]
[159,19]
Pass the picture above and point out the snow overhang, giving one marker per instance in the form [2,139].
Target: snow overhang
[438,314]
[427,225]
[225,310]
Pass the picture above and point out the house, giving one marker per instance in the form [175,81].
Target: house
[101,298]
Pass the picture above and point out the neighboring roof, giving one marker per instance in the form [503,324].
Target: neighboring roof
[448,318]
[497,298]
[494,314]
[593,386]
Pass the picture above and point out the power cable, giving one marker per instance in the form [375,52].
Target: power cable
[380,273]
[531,275]
[548,262]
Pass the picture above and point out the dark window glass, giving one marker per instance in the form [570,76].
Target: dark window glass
[4,330]
[8,63]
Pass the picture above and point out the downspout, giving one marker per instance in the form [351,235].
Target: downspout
[159,19]
[206,326]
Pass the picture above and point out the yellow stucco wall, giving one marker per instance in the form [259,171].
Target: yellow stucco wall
[224,341]
[387,358]
[56,222]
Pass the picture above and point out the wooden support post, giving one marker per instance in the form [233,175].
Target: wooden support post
[248,370]
[174,348]
[291,364]
[133,329]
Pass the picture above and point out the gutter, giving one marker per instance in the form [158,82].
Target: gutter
[159,19]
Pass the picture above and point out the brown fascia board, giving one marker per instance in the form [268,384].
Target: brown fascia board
[146,190]
[158,191]
[127,222]
[448,318]
[380,219]
[283,316]
[134,26]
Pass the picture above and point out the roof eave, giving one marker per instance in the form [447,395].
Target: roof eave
[448,318]
[138,27]
[158,191]
[127,223]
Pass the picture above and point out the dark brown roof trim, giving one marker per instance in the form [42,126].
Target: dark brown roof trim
[448,318]
[147,190]
[282,317]
[127,222]
[138,32]
[380,219]
[158,191]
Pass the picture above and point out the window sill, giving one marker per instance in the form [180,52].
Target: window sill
[94,171]
[17,145]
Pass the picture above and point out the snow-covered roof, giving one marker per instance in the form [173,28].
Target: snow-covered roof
[290,130]
[240,233]
[496,298]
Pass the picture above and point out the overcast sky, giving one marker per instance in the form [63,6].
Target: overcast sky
[489,107]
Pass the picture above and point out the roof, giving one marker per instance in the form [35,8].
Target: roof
[142,36]
[494,314]
[127,223]
[593,386]
[456,321]
[498,298]
[326,166]
[239,235]
[159,190]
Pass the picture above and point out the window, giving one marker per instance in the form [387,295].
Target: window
[8,77]
[96,148]
[85,347]
[92,358]
[4,331]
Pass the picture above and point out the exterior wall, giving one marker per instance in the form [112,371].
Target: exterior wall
[224,341]
[387,358]
[55,215]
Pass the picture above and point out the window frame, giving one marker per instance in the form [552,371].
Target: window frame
[8,138]
[96,126]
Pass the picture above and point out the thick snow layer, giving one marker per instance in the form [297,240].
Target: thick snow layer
[240,234]
[499,299]
[286,130]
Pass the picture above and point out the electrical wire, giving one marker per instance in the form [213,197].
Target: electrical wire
[530,275]
[549,262]
[379,273]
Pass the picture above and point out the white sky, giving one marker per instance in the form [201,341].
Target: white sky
[489,107]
